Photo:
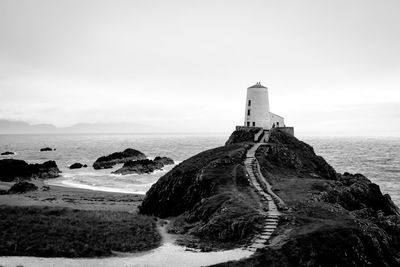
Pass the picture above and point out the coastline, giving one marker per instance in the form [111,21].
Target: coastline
[71,197]
[65,183]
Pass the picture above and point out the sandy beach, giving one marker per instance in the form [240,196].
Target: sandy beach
[75,198]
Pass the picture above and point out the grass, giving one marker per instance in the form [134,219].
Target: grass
[61,232]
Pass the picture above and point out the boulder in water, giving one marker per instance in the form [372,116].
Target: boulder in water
[164,160]
[107,162]
[76,166]
[7,153]
[139,167]
[46,149]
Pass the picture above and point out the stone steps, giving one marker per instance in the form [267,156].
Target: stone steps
[267,198]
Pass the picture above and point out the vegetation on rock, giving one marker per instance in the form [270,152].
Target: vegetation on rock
[334,219]
[22,187]
[210,195]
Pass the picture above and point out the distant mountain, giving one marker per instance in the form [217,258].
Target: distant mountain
[8,127]
[21,127]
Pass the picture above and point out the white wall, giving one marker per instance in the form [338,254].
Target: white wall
[259,108]
[277,120]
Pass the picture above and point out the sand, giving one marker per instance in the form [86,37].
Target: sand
[76,198]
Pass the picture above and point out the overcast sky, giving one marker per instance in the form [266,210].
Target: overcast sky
[332,67]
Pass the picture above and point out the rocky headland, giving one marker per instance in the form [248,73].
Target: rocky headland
[13,169]
[107,162]
[329,219]
[144,166]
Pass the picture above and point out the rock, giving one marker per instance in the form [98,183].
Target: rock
[11,169]
[3,192]
[45,188]
[22,187]
[84,166]
[242,136]
[332,219]
[107,162]
[209,195]
[46,149]
[164,160]
[7,153]
[139,167]
[76,166]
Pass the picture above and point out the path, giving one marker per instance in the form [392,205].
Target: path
[272,203]
[170,254]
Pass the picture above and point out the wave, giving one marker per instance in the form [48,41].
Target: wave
[69,183]
[104,180]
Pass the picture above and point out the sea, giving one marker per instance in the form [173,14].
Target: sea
[376,158]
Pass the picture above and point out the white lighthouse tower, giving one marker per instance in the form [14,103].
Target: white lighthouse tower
[257,113]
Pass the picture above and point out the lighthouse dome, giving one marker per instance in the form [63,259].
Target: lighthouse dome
[257,85]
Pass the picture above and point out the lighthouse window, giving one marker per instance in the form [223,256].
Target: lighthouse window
[248,112]
[249,103]
[254,123]
[248,124]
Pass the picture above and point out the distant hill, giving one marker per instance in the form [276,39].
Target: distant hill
[9,127]
[21,127]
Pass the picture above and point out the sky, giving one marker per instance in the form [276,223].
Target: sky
[332,67]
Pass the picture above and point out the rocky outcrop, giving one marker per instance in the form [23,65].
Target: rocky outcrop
[77,165]
[107,162]
[144,166]
[139,167]
[164,160]
[12,169]
[240,136]
[332,219]
[210,196]
[22,187]
[46,149]
[7,153]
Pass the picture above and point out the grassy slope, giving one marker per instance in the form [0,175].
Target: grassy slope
[209,197]
[321,229]
[61,232]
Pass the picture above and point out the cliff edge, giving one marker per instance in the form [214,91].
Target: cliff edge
[332,219]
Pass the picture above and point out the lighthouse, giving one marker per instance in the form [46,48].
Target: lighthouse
[257,112]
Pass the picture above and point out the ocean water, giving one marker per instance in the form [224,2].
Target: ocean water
[378,159]
[86,148]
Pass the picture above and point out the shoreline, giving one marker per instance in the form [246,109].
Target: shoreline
[71,197]
[65,183]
